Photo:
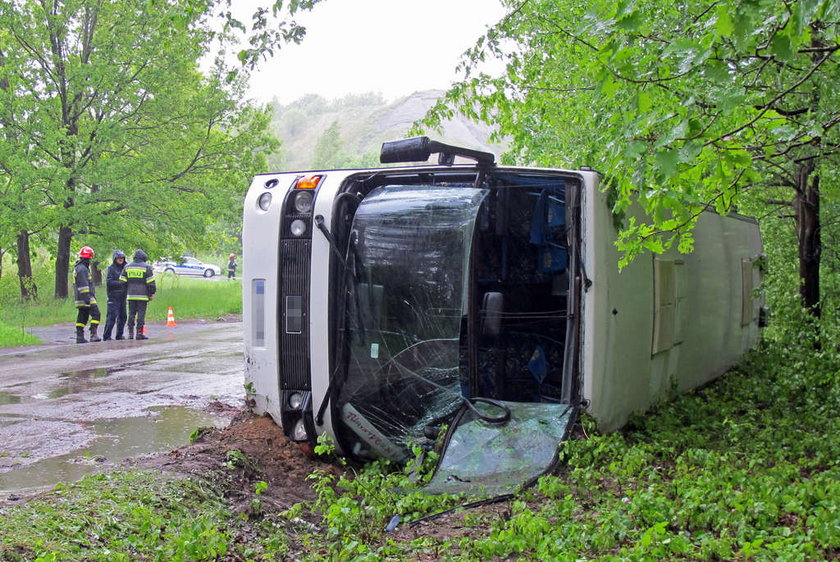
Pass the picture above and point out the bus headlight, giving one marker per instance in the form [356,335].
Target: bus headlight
[298,227]
[303,201]
[264,201]
[295,400]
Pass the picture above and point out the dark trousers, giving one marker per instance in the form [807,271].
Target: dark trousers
[86,312]
[138,309]
[115,316]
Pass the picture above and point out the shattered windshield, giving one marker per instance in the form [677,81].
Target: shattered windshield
[407,294]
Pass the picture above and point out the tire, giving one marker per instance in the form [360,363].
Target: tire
[209,273]
[169,270]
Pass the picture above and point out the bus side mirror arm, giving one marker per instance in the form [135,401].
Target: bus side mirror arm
[319,223]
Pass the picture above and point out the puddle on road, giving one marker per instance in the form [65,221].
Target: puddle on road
[74,382]
[71,382]
[169,427]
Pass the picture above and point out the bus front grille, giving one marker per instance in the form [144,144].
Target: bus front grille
[294,314]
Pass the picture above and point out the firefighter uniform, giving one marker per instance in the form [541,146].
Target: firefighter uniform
[116,298]
[85,297]
[232,266]
[140,285]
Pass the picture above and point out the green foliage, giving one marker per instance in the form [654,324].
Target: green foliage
[681,105]
[194,298]
[120,516]
[357,506]
[744,468]
[236,459]
[738,469]
[331,153]
[12,336]
[198,433]
[109,131]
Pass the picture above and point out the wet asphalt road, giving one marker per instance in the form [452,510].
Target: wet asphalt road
[67,409]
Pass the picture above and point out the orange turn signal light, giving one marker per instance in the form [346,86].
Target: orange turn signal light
[308,182]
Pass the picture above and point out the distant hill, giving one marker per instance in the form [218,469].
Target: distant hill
[348,132]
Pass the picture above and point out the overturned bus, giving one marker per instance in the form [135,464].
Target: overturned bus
[380,305]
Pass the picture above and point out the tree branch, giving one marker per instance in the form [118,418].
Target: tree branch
[779,96]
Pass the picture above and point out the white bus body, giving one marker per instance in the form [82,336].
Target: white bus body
[389,294]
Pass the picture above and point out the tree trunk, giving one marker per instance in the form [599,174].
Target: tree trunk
[28,289]
[96,273]
[62,262]
[806,204]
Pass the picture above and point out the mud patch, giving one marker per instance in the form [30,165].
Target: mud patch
[272,458]
[284,466]
[250,449]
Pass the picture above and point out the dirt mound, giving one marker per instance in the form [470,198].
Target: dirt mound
[249,450]
[253,449]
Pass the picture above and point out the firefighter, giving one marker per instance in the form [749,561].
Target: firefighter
[232,266]
[140,280]
[85,297]
[116,297]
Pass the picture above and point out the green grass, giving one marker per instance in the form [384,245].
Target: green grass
[744,469]
[13,336]
[124,516]
[194,298]
[188,297]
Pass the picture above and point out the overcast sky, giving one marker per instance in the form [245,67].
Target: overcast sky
[394,47]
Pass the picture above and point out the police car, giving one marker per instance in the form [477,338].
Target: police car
[188,265]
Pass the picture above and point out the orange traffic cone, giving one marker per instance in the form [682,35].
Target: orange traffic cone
[145,331]
[170,319]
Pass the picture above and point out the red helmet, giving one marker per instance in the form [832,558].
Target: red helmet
[232,256]
[86,252]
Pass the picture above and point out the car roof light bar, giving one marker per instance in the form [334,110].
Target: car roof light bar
[418,149]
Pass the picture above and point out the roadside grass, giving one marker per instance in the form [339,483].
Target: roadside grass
[189,298]
[194,298]
[12,336]
[133,515]
[742,469]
